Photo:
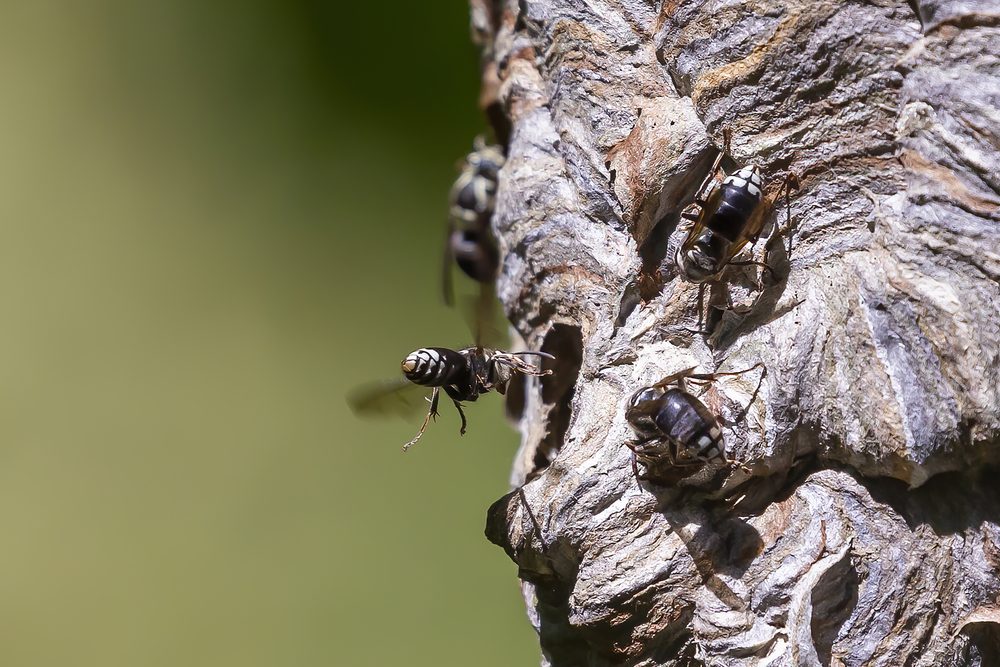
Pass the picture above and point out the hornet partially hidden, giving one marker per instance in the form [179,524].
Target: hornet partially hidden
[674,427]
[463,375]
[470,242]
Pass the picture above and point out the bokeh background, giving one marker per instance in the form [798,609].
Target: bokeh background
[217,218]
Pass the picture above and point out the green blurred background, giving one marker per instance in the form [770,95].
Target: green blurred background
[218,218]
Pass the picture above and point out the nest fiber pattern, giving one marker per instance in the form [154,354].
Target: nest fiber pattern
[867,533]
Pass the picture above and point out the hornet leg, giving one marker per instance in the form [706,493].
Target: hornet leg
[531,516]
[765,265]
[702,193]
[458,406]
[791,182]
[743,413]
[433,412]
[701,330]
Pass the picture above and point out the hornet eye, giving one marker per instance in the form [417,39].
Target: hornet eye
[645,394]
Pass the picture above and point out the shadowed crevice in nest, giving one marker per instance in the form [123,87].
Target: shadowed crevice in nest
[984,644]
[833,601]
[565,343]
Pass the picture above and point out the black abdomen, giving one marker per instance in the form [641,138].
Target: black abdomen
[686,420]
[475,253]
[739,197]
[436,367]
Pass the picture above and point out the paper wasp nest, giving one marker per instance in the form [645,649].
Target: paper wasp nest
[868,534]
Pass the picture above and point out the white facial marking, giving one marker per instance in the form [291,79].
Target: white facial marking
[737,181]
[704,441]
[753,189]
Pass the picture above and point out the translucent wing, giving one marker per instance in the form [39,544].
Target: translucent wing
[670,379]
[704,378]
[754,225]
[447,268]
[480,313]
[712,199]
[400,398]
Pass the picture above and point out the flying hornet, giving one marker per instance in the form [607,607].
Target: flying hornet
[470,243]
[723,219]
[675,428]
[464,375]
